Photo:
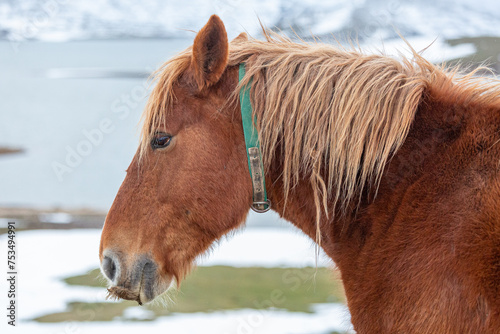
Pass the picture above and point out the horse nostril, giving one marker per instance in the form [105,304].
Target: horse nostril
[109,267]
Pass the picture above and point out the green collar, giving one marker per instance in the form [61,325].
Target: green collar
[255,166]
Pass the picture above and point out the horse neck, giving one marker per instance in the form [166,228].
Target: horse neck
[343,235]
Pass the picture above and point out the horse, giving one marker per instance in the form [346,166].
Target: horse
[392,166]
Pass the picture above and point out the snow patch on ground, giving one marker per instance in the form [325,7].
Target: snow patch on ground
[326,319]
[137,313]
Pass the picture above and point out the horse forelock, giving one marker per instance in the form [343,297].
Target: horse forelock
[336,115]
[162,96]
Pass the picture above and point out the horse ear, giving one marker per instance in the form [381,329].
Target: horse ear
[210,53]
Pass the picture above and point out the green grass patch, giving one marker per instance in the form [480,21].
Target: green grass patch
[78,311]
[220,288]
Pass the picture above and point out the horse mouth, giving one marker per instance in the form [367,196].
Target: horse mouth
[118,292]
[141,282]
[145,292]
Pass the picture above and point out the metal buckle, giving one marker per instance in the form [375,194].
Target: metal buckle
[260,207]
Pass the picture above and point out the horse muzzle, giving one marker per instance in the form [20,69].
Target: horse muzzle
[137,280]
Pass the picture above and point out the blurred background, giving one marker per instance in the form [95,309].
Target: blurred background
[73,83]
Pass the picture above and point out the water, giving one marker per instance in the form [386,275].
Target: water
[50,117]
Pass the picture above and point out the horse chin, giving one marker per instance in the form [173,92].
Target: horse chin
[146,292]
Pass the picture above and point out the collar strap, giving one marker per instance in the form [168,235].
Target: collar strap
[260,201]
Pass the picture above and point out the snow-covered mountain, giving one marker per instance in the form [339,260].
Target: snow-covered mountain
[61,20]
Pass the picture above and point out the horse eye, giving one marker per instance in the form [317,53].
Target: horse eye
[160,140]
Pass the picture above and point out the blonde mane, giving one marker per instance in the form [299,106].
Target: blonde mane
[336,116]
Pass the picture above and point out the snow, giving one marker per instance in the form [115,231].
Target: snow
[138,313]
[59,20]
[265,247]
[328,318]
[44,258]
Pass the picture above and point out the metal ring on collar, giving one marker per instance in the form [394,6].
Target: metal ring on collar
[256,206]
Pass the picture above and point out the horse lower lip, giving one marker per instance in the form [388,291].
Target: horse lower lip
[144,288]
[123,293]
